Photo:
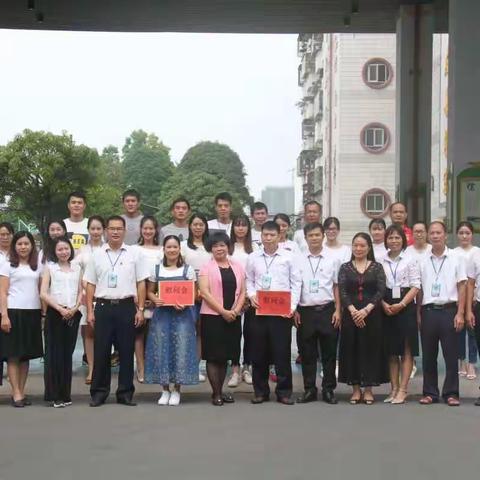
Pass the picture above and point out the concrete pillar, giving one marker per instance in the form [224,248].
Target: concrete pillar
[464,111]
[415,26]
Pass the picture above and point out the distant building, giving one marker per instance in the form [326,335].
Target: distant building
[279,200]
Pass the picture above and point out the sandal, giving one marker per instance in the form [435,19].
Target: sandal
[427,400]
[403,397]
[392,395]
[356,401]
[368,401]
[453,402]
[217,402]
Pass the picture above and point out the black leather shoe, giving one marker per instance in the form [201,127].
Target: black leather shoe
[127,402]
[261,399]
[26,401]
[329,397]
[307,397]
[477,402]
[96,403]
[228,398]
[285,400]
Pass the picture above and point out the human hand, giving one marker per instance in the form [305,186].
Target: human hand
[139,319]
[6,325]
[336,319]
[459,322]
[297,320]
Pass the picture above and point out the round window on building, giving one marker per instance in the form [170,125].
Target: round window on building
[375,138]
[377,73]
[375,203]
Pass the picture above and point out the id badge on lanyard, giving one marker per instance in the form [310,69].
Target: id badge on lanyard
[266,281]
[112,279]
[396,293]
[436,287]
[314,285]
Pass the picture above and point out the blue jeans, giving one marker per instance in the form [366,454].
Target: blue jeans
[467,336]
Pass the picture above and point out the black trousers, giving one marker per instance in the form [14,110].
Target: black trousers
[437,326]
[316,329]
[271,339]
[60,340]
[113,324]
[248,319]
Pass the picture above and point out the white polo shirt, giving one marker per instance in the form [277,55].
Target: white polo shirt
[129,266]
[446,272]
[283,271]
[473,272]
[402,271]
[319,275]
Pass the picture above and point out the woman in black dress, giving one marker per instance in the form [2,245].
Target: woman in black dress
[400,322]
[363,361]
[222,287]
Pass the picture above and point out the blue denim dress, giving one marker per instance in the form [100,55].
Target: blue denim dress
[171,350]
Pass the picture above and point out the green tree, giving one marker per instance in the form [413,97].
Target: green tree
[219,159]
[40,169]
[199,187]
[146,165]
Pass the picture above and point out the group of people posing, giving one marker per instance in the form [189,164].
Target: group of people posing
[362,305]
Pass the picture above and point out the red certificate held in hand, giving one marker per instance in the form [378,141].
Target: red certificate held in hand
[273,303]
[177,292]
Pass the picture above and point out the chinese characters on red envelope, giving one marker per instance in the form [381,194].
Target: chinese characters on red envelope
[273,302]
[181,292]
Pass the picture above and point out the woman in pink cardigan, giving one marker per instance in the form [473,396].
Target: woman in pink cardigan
[222,286]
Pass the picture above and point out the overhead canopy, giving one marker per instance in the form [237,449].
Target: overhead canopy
[233,16]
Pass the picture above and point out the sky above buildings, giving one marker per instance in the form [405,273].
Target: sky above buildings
[237,89]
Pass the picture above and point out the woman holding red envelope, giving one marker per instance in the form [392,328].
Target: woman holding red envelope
[222,286]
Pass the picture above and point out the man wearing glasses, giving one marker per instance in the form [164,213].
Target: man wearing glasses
[115,276]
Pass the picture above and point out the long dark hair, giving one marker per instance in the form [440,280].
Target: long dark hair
[203,218]
[180,261]
[366,237]
[244,221]
[464,223]
[48,242]
[32,258]
[58,240]
[151,218]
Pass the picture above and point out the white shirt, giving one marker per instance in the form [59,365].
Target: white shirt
[447,276]
[195,258]
[153,256]
[129,265]
[402,271]
[289,246]
[23,291]
[466,254]
[379,251]
[216,225]
[418,255]
[64,285]
[169,272]
[321,269]
[240,255]
[77,232]
[299,239]
[473,271]
[343,253]
[84,255]
[282,269]
[257,237]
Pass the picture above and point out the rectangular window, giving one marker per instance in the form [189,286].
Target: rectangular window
[377,73]
[375,137]
[375,203]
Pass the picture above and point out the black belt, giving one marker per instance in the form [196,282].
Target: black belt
[318,308]
[114,301]
[435,306]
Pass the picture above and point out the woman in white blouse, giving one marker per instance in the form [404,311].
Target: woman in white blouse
[400,324]
[283,221]
[332,247]
[6,235]
[61,290]
[21,325]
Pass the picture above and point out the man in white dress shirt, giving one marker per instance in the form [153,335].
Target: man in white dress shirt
[115,276]
[272,268]
[312,214]
[259,214]
[318,317]
[223,208]
[443,279]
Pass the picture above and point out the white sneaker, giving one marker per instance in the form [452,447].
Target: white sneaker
[163,400]
[58,405]
[247,376]
[201,377]
[174,399]
[234,380]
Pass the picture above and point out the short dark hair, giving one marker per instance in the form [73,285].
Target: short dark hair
[145,219]
[218,237]
[8,226]
[258,206]
[131,192]
[13,256]
[97,218]
[329,220]
[397,203]
[77,194]
[312,202]
[377,221]
[465,223]
[312,226]
[58,240]
[180,200]
[438,222]
[395,228]
[282,216]
[180,261]
[223,196]
[118,218]
[270,225]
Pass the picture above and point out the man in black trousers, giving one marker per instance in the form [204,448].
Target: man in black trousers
[318,316]
[115,277]
[443,279]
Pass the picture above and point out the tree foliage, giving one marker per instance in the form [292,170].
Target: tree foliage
[39,170]
[218,159]
[146,165]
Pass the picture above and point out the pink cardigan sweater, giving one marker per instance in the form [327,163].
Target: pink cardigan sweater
[212,271]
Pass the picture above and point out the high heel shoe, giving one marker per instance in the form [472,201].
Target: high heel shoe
[356,401]
[402,399]
[392,395]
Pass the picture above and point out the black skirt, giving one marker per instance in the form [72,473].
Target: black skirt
[220,339]
[24,341]
[401,329]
